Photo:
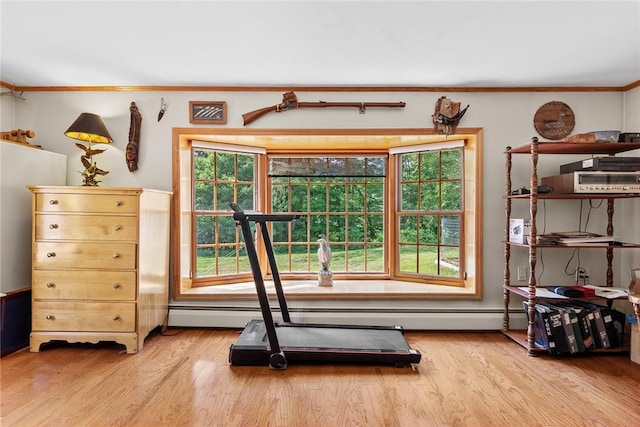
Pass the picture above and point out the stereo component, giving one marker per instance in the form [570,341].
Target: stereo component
[597,182]
[616,164]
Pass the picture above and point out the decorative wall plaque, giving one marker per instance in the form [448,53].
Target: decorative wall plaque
[554,120]
[208,112]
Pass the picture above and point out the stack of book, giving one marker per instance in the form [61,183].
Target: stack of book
[570,327]
[575,238]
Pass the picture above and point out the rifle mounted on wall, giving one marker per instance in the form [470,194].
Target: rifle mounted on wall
[290,101]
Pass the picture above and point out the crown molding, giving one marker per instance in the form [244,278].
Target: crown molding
[319,88]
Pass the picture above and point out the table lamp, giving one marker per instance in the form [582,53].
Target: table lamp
[90,128]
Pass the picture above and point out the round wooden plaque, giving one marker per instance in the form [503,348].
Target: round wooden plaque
[554,120]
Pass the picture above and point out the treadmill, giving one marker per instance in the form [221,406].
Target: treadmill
[274,343]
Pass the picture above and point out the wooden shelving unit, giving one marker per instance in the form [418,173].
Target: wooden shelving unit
[526,338]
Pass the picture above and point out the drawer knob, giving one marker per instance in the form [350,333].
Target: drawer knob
[116,317]
[53,226]
[51,285]
[118,203]
[117,227]
[115,256]
[50,317]
[51,254]
[53,202]
[116,285]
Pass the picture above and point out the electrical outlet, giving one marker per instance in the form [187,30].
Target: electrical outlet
[522,273]
[582,275]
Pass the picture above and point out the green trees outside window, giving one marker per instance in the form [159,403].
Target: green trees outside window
[349,211]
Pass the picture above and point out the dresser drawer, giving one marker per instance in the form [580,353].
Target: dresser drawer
[83,284]
[84,316]
[86,203]
[86,227]
[57,255]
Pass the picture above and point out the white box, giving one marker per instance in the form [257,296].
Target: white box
[519,230]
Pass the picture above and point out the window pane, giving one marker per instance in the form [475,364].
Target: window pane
[337,198]
[409,167]
[375,198]
[281,253]
[451,196]
[429,229]
[204,196]
[357,200]
[224,196]
[338,258]
[280,198]
[203,163]
[279,232]
[429,165]
[337,228]
[408,259]
[225,166]
[437,190]
[299,229]
[452,164]
[226,229]
[318,198]
[206,262]
[355,228]
[450,230]
[375,228]
[219,249]
[450,262]
[205,230]
[300,259]
[375,258]
[428,260]
[409,197]
[430,196]
[408,229]
[299,198]
[227,258]
[356,258]
[245,168]
[245,196]
[318,226]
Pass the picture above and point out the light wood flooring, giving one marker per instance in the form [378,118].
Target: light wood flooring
[183,378]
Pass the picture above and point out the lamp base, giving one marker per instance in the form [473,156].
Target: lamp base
[89,176]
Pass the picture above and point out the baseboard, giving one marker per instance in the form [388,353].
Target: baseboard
[432,320]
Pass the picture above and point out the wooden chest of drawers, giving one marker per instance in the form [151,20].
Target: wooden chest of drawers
[100,264]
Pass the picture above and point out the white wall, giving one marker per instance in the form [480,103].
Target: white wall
[21,166]
[507,119]
[631,123]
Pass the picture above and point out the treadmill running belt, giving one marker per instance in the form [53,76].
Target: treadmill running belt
[292,336]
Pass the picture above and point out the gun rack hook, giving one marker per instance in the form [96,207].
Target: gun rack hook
[14,95]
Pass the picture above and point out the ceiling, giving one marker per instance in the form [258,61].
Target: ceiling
[320,43]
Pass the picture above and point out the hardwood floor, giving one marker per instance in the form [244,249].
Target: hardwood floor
[183,378]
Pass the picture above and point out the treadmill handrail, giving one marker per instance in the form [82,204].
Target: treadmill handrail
[239,214]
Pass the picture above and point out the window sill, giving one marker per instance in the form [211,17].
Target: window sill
[341,289]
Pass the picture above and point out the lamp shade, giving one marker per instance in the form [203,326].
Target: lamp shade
[89,127]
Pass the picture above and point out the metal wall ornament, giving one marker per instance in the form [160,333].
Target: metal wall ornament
[447,115]
[554,120]
[163,108]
